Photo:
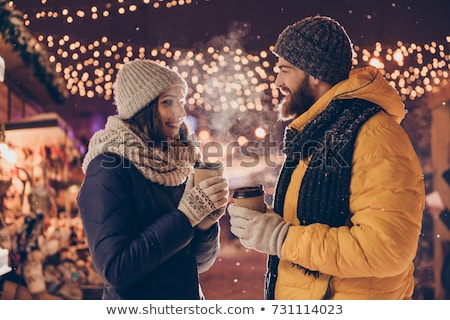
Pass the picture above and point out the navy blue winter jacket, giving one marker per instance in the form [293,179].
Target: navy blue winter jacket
[141,244]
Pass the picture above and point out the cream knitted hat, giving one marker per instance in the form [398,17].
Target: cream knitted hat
[141,81]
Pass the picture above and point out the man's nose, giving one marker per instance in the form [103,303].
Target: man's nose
[279,81]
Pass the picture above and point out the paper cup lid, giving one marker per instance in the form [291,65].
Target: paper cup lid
[248,192]
[208,165]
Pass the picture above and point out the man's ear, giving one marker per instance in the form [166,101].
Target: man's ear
[318,86]
[314,81]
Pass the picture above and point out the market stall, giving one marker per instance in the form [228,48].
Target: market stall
[40,173]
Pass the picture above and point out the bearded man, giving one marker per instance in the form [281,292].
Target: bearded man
[349,199]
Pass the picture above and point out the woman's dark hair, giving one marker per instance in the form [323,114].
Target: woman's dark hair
[147,125]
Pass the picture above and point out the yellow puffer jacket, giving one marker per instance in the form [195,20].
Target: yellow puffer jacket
[372,258]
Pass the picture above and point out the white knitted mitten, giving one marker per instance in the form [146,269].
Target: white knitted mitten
[201,200]
[263,232]
[212,218]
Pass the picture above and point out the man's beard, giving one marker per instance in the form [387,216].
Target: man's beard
[300,101]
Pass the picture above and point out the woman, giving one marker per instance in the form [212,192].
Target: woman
[149,230]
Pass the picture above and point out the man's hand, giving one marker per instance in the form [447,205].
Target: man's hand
[264,232]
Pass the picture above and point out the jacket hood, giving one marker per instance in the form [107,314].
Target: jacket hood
[365,83]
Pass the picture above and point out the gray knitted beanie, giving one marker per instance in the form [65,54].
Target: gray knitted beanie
[141,81]
[318,45]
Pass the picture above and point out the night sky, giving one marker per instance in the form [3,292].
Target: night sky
[365,21]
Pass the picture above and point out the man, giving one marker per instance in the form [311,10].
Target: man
[348,204]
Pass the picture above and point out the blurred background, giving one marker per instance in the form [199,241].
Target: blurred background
[58,60]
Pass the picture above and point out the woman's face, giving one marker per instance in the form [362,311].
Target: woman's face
[171,111]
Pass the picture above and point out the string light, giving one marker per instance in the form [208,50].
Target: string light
[98,11]
[224,72]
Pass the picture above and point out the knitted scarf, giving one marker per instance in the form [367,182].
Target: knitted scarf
[328,141]
[169,165]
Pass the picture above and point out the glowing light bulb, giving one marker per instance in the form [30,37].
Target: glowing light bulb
[398,56]
[260,132]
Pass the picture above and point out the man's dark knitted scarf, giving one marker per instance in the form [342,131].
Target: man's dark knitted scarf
[324,194]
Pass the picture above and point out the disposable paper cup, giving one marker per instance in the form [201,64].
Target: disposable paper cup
[251,197]
[204,170]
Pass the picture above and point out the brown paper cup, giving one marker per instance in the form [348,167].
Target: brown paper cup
[251,197]
[204,170]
